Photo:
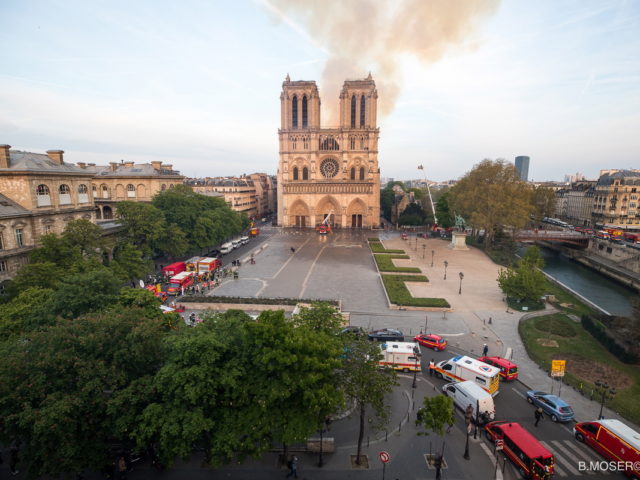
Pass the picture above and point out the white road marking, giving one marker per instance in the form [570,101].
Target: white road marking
[306,278]
[558,459]
[290,258]
[520,393]
[571,445]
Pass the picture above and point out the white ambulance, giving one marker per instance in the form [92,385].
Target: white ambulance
[461,368]
[403,356]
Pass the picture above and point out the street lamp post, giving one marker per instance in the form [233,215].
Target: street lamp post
[468,414]
[606,393]
[426,322]
[446,264]
[416,352]
[432,252]
[461,277]
[423,249]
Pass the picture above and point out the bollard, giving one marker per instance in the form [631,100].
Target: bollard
[386,434]
[504,463]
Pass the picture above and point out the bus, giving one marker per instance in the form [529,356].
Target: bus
[530,457]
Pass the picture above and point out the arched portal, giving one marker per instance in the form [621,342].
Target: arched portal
[357,213]
[328,206]
[299,214]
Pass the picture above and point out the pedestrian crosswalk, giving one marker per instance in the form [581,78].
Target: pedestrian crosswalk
[571,457]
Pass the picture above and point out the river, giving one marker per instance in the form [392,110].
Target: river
[604,292]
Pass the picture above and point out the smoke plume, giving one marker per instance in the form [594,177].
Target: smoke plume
[363,35]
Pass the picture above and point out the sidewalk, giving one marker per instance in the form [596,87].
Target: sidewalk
[481,299]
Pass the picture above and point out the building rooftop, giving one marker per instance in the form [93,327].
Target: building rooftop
[39,163]
[626,177]
[9,208]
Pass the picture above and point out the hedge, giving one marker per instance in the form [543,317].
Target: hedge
[252,300]
[373,239]
[399,293]
[377,247]
[385,264]
[600,334]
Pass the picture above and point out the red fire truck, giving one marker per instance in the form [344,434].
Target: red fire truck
[174,269]
[614,441]
[184,279]
[208,265]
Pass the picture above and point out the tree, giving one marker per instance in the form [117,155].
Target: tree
[28,310]
[365,382]
[85,292]
[44,275]
[129,263]
[435,413]
[543,200]
[525,281]
[492,195]
[61,388]
[445,218]
[142,224]
[84,234]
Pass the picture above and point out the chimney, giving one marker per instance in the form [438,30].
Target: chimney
[92,164]
[168,167]
[55,156]
[114,166]
[4,156]
[156,165]
[82,164]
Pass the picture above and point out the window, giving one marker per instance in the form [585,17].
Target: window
[362,105]
[43,196]
[94,188]
[295,173]
[294,112]
[65,194]
[305,122]
[105,191]
[305,173]
[353,111]
[83,194]
[352,143]
[353,173]
[361,173]
[47,229]
[163,187]
[131,191]
[3,266]
[19,237]
[481,381]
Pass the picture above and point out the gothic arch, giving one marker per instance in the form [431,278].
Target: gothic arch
[298,214]
[328,205]
[357,213]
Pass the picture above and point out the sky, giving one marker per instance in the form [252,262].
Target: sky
[197,83]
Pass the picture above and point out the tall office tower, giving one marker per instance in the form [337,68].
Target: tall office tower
[522,166]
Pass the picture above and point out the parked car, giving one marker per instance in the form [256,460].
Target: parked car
[353,330]
[432,341]
[554,406]
[387,335]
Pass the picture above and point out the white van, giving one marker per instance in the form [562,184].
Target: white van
[236,243]
[244,240]
[470,393]
[226,248]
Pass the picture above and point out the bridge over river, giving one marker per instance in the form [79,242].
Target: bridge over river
[557,236]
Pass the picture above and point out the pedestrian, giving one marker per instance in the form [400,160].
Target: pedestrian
[293,467]
[432,365]
[122,467]
[13,460]
[485,350]
[538,415]
[489,320]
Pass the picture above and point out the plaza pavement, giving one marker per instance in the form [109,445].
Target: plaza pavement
[340,266]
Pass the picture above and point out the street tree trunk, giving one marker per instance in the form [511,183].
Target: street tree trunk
[361,432]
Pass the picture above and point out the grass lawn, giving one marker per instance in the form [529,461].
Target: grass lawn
[377,247]
[385,264]
[400,295]
[587,360]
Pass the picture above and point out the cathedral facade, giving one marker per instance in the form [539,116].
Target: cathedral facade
[328,174]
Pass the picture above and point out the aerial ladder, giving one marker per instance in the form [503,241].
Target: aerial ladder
[324,227]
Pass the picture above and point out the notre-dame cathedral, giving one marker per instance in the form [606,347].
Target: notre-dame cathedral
[328,172]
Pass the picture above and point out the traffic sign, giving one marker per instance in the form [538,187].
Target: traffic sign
[557,368]
[499,444]
[384,457]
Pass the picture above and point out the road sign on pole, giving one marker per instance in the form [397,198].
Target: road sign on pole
[384,457]
[499,444]
[557,368]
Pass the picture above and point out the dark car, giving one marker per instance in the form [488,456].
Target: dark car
[214,253]
[552,405]
[353,330]
[387,335]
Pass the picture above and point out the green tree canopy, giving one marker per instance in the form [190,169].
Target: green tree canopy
[492,195]
[525,281]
